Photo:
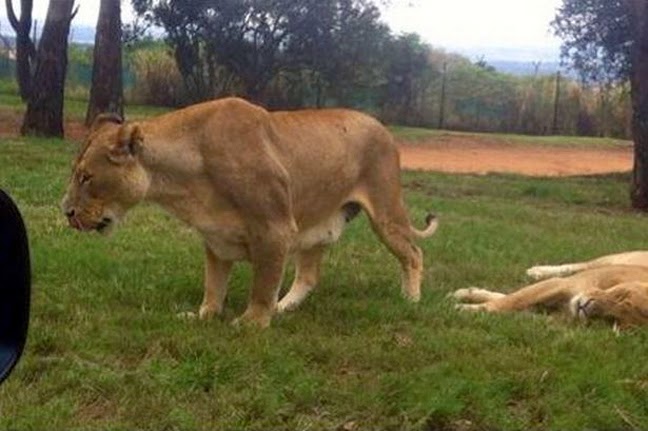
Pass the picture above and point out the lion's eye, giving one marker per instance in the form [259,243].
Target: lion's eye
[84,178]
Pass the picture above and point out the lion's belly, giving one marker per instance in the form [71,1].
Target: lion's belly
[229,242]
[224,244]
[226,238]
[326,232]
[228,251]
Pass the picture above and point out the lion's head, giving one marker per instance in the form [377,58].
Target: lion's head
[626,304]
[107,177]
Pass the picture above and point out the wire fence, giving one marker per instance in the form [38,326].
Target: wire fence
[78,74]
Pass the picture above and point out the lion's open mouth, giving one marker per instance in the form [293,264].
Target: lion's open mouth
[103,224]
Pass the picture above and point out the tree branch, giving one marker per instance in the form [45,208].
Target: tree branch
[74,12]
[13,20]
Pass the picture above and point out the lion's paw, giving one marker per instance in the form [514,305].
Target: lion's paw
[187,315]
[253,319]
[470,307]
[291,300]
[206,312]
[461,294]
[581,307]
[539,272]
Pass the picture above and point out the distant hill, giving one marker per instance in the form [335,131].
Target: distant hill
[525,68]
[83,34]
[517,61]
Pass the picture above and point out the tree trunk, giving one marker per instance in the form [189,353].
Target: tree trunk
[639,89]
[106,93]
[44,116]
[25,50]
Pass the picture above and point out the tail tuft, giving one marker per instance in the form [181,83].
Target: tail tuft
[432,222]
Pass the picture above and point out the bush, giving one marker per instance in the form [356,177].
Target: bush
[157,79]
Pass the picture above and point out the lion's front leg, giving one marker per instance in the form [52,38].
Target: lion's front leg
[265,290]
[268,258]
[216,275]
[550,293]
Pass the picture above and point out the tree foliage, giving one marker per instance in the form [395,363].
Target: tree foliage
[597,38]
[242,46]
[409,73]
[609,39]
[308,53]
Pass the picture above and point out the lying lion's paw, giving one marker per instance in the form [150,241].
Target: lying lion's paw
[581,307]
[538,272]
[470,307]
[461,294]
[187,315]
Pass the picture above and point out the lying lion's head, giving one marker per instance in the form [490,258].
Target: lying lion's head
[107,177]
[626,304]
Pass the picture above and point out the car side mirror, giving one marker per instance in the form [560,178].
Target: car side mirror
[15,285]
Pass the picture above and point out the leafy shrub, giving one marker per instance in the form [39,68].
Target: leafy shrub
[157,79]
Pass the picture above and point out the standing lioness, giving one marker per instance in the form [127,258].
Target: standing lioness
[258,186]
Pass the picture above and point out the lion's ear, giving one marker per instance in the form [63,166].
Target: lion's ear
[128,145]
[105,118]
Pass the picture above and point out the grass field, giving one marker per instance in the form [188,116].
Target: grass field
[416,134]
[106,352]
[74,109]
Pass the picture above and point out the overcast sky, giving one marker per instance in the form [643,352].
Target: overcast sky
[476,23]
[453,24]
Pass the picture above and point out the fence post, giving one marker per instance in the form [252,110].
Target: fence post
[554,127]
[443,96]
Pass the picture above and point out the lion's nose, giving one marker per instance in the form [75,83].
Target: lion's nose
[70,213]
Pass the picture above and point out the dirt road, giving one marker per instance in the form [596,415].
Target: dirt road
[468,154]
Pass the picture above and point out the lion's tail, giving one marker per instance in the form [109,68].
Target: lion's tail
[432,223]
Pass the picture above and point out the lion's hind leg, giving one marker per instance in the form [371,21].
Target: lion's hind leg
[541,272]
[386,212]
[307,271]
[627,258]
[393,229]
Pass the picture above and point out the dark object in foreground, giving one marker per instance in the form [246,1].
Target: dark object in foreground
[14,285]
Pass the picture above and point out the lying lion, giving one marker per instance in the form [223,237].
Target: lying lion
[613,287]
[257,186]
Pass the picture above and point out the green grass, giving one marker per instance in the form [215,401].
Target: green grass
[106,352]
[416,134]
[75,109]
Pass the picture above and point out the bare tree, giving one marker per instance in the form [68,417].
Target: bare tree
[25,49]
[638,13]
[44,116]
[106,93]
